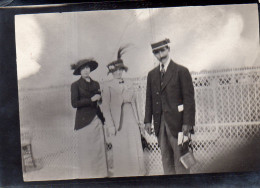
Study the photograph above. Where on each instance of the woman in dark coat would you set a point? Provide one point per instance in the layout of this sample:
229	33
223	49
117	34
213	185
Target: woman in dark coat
85	96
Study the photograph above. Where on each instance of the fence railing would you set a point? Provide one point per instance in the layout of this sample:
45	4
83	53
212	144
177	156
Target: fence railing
227	119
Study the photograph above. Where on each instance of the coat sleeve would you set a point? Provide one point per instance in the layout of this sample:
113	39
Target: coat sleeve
99	102
106	102
148	103
76	101
188	98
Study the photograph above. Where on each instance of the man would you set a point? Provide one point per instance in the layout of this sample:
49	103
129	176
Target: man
170	102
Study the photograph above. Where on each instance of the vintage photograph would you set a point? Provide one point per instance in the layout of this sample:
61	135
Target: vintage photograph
139	92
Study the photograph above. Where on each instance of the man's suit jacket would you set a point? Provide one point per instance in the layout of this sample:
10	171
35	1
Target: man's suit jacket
177	89
81	93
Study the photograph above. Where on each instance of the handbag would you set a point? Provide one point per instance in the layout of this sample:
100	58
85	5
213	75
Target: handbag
186	150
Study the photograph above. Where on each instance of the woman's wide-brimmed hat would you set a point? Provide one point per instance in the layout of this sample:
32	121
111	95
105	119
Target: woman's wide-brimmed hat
91	63
117	64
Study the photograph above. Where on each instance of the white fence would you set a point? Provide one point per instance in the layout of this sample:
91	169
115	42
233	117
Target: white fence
227	120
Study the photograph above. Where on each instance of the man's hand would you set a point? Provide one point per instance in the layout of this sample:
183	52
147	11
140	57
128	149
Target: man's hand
148	128
96	98
186	129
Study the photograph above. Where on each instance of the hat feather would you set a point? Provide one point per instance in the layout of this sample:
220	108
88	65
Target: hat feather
121	51
73	66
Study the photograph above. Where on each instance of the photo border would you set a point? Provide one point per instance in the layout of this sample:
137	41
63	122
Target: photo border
10	149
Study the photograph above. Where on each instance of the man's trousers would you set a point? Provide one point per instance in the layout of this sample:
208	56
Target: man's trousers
170	151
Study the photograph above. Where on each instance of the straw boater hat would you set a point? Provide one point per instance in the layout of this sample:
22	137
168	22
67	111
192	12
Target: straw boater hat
117	64
91	63
157	45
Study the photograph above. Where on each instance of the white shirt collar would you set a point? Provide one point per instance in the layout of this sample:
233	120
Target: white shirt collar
166	64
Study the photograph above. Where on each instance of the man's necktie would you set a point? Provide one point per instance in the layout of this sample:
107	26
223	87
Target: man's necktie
162	71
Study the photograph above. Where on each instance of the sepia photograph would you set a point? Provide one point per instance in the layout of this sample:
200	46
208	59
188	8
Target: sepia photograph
138	92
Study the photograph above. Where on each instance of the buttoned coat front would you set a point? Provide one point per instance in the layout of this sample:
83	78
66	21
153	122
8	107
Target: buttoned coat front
81	93
168	96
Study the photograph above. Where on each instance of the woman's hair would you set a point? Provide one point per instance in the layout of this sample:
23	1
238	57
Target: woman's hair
84	66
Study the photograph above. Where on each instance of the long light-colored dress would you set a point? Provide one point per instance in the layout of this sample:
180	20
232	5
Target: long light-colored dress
121	112
91	151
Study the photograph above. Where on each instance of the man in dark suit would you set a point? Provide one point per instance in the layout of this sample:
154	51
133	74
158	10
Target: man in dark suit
170	102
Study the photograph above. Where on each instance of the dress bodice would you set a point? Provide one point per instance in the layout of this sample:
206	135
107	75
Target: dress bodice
117	97
124	89
127	95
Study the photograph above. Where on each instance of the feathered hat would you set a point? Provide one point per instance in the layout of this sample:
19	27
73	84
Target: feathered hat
91	63
118	64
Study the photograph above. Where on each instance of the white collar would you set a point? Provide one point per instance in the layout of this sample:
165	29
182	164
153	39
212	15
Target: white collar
165	64
88	79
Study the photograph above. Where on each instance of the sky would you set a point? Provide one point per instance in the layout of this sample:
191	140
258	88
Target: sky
202	38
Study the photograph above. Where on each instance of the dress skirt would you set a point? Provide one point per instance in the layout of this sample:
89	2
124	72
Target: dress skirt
91	150
127	147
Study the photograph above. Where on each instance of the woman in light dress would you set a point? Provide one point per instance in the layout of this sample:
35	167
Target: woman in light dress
85	96
122	122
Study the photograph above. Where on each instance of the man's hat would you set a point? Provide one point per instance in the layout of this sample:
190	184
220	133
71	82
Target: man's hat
91	63
160	44
117	64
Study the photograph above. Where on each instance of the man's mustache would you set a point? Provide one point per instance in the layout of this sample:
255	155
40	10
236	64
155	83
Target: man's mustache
162	58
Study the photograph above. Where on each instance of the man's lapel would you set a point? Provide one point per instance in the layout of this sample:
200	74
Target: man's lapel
171	70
